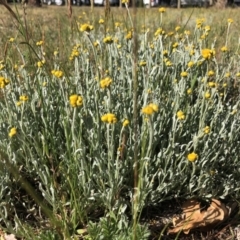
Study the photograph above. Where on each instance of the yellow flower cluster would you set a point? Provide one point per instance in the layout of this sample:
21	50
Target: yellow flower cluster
206	130
162	10
75	100
108	40
165	53
101	21
208	53
177	28
150	109
2	66
227	74
192	157
11	39
175	45
211	73
129	35
106	82
86	28
40	43
159	32
224	49
75	52
3	82
40	63
125	122
142	63
13	131
184	74
180	115
22	99
117	24
189	91
190	64
211	84
199	22
207	95
168	62
57	73
109	118
207	28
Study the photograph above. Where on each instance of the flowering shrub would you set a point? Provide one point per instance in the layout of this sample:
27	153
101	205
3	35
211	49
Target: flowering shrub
74	135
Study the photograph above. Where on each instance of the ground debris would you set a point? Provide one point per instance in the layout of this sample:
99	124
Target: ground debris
194	216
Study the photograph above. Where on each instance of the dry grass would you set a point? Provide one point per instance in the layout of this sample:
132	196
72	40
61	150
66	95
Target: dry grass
50	18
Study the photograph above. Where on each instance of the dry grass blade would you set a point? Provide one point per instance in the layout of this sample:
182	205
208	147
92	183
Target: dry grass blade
13	14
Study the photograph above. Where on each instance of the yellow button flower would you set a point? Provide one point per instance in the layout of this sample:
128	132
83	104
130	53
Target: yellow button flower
86	28
106	82
175	45
23	98
192	157
101	21
117	24
190	64
108	40
125	122
109	118
208	53
3	82
154	107
165	53
150	109
129	35
228	74
189	91
211	73
40	63
162	10
75	100
11	40
212	84
207	95
206	130
40	43
180	115
18	103
142	63
57	73
169	63
13	131
224	49
184	74
177	28
158	32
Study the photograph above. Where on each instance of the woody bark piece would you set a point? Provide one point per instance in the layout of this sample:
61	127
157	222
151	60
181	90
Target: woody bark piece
194	217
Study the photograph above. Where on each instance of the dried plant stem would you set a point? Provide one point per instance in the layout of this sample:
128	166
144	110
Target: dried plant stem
135	123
